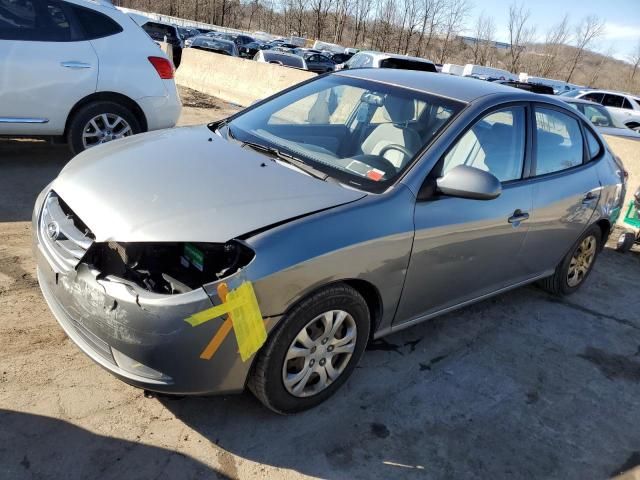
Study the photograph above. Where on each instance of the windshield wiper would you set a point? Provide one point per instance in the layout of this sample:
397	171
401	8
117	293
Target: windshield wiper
284	157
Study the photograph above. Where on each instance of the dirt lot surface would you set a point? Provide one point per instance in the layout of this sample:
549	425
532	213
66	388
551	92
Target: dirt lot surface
524	385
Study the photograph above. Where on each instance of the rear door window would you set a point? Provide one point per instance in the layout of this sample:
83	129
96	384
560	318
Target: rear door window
34	20
614	101
626	104
559	144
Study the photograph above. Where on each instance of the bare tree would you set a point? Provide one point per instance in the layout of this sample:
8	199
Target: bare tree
520	34
587	31
635	61
431	19
455	15
483	46
556	38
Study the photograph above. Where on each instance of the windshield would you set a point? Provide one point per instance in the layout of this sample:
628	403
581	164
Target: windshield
362	133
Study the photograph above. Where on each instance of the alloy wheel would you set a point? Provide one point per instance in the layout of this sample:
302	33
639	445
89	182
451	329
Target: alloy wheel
104	128
581	261
319	354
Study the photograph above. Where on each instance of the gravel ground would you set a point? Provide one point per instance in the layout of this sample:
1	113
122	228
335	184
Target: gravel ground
523	385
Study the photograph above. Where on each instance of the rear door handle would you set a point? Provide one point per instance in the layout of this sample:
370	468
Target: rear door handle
76	65
518	216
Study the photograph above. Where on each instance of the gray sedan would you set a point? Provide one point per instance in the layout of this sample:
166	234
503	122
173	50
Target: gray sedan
265	251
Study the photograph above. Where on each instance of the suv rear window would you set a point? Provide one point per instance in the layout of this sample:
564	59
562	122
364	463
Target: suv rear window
95	24
401	63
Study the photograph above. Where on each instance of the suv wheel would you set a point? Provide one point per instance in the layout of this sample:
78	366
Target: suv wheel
100	122
313	350
576	265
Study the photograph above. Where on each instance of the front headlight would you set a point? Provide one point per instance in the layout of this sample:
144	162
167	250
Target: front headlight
168	268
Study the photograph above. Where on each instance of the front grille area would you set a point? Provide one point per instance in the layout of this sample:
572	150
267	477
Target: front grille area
63	235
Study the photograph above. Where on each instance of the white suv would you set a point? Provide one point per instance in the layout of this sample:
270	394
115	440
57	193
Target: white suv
80	70
623	107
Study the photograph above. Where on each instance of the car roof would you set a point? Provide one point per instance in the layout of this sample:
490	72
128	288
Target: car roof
450	86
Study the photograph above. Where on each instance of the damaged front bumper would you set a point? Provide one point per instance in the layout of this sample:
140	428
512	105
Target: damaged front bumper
139	336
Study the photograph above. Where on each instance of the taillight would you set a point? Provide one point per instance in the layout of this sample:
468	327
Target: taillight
163	66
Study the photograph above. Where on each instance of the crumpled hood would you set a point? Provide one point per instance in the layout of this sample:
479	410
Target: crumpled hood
187	184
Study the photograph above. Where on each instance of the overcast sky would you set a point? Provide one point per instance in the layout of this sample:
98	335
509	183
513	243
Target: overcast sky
622	19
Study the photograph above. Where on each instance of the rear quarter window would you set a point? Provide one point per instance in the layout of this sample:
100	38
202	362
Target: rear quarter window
94	24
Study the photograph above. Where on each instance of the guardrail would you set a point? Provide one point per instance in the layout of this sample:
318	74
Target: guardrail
233	79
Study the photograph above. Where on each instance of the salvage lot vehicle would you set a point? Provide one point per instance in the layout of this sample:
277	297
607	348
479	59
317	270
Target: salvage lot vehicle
387	60
216	45
281	58
412	195
81	71
601	118
623	107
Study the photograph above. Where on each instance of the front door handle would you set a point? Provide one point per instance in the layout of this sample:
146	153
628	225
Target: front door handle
518	216
76	65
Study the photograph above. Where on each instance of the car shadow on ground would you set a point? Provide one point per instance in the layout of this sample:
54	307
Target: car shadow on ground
26	167
34	446
522	386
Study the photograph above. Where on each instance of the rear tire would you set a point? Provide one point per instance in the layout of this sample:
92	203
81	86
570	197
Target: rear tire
279	361
575	267
625	242
81	124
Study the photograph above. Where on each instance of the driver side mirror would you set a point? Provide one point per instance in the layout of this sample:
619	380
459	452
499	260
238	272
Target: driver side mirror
469	182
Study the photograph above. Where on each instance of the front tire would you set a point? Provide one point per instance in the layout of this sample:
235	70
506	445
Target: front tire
98	123
313	350
577	265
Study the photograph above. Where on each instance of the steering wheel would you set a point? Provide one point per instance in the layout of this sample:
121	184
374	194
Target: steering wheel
399	148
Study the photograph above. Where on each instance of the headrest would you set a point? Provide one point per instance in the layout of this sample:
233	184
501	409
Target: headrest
399	110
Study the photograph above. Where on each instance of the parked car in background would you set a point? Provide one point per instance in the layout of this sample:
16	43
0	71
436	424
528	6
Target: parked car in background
215	45
623	107
339	58
250	49
239	40
601	118
163	32
529	87
368	59
318	63
486	73
281	58
437	191
64	64
188	33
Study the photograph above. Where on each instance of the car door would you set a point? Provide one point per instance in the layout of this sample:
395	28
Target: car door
46	67
614	103
463	248
566	187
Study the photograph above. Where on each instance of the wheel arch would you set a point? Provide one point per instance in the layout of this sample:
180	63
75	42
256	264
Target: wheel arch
369	292
633	124
605	229
108	97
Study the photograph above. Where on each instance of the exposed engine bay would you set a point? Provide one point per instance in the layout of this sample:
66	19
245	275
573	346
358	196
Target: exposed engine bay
168	268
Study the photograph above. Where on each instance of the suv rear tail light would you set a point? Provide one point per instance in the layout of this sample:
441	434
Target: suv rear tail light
163	66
